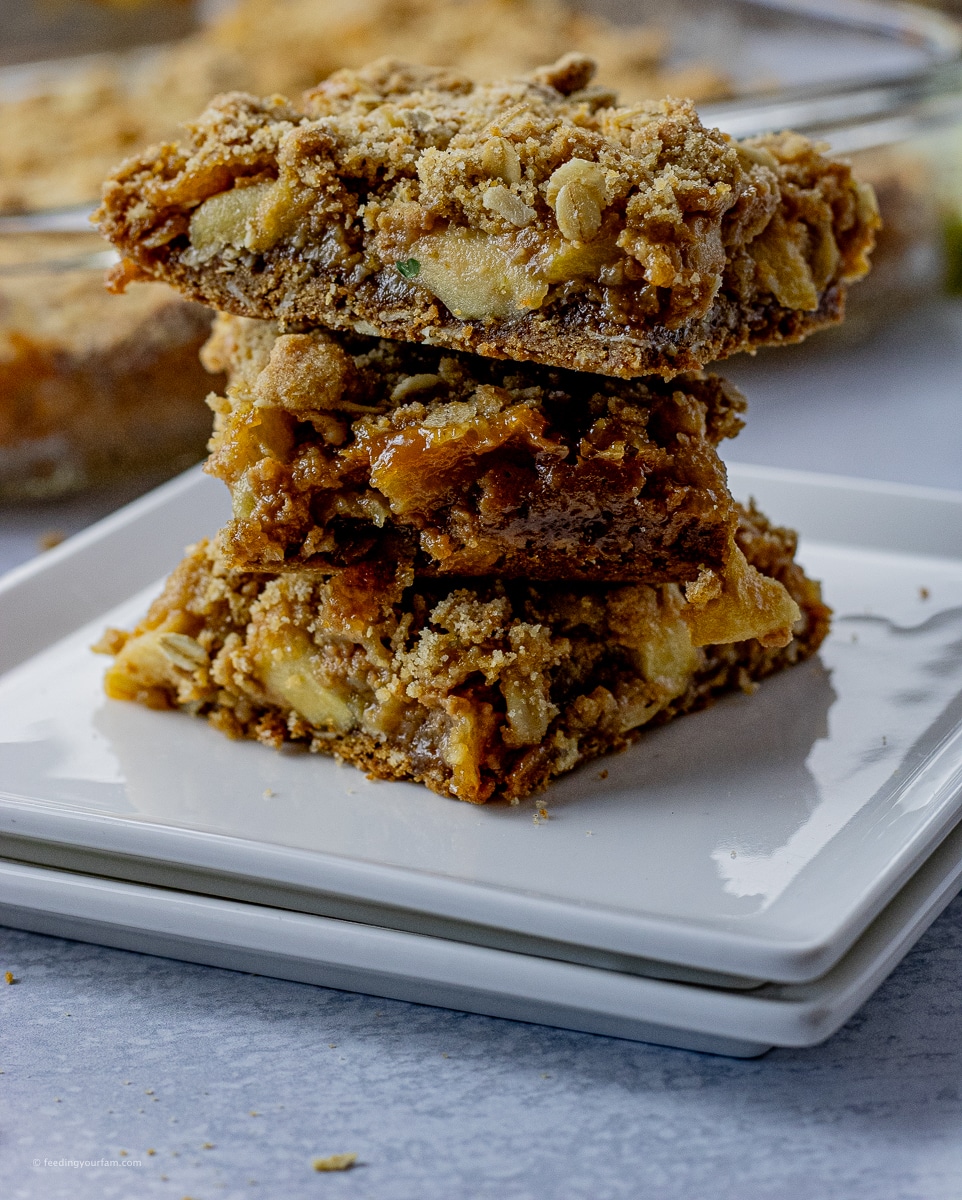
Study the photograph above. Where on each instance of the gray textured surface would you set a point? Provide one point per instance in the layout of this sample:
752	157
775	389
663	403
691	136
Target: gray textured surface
439	1105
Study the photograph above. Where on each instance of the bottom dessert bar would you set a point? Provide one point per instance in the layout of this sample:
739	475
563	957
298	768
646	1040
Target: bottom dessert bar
479	689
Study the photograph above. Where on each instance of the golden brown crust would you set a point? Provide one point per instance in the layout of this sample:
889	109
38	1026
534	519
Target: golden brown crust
523	220
340	449
491	688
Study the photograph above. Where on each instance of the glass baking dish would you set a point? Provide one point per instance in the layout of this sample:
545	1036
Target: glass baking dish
897	115
38	29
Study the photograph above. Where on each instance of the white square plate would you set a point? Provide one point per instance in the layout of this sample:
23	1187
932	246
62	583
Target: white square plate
755	841
472	978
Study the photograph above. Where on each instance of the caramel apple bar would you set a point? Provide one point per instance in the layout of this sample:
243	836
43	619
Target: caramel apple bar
340	449
531	220
477	688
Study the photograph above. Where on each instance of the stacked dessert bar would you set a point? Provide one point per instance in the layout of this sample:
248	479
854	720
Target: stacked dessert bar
481	532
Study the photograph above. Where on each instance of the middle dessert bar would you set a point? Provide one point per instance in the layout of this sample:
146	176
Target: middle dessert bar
340	449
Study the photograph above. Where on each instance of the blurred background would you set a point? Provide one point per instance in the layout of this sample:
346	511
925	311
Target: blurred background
102	397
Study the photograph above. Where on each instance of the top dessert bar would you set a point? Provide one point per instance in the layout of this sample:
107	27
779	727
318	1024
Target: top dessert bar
531	220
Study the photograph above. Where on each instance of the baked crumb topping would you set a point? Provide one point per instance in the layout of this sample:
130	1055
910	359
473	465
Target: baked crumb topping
59	141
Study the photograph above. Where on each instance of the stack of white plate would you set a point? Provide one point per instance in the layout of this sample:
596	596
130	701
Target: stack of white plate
742	878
